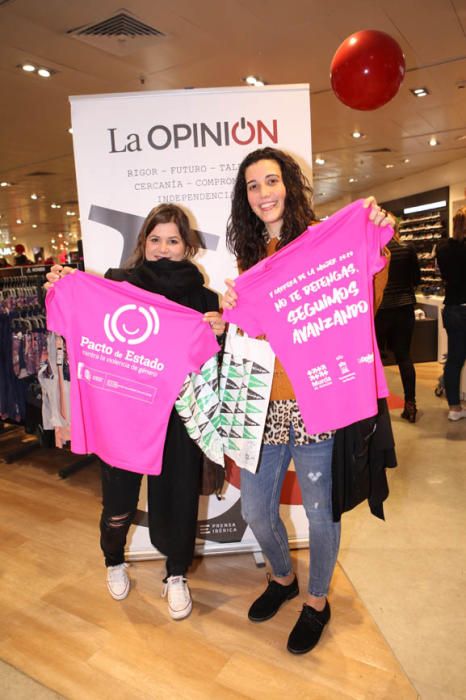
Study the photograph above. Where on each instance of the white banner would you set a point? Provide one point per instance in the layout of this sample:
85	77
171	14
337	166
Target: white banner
134	151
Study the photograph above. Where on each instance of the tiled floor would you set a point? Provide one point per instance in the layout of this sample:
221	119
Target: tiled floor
410	570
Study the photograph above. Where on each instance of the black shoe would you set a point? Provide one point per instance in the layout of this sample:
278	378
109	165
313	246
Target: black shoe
272	599
409	412
308	629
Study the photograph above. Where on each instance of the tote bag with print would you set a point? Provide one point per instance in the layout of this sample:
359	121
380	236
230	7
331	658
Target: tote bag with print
245	383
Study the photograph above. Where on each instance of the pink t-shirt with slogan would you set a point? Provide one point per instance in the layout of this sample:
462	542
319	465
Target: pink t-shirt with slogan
129	352
313	299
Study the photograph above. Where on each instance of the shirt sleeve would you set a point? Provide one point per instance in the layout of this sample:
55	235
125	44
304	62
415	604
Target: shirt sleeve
246	315
58	305
203	345
377	237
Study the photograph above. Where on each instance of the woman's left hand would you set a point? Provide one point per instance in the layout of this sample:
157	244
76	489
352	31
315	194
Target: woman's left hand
214	318
378	215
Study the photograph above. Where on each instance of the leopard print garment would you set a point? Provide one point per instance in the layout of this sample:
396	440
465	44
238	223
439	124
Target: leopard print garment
280	415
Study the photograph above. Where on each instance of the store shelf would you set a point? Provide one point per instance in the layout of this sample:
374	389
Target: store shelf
424	232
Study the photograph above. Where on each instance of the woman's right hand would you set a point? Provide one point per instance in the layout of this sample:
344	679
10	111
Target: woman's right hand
230	296
56	273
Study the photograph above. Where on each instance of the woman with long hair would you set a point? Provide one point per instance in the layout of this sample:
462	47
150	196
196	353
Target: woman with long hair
272	206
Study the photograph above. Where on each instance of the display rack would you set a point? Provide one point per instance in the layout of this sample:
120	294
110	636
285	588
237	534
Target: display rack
424	229
425	232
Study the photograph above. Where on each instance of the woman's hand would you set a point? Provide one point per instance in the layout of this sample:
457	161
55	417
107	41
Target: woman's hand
56	273
230	296
378	215
214	318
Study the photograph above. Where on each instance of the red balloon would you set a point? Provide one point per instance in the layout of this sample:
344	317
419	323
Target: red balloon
367	69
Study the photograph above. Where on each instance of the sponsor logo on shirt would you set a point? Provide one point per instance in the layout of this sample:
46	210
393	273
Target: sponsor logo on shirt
131	324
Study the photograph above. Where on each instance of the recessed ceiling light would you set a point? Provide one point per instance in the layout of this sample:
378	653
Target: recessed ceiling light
28	67
70	130
406	160
52	240
389	165
352	179
55	206
19	221
5	184
319	161
34	196
70	213
420	92
44	72
60	235
433	141
34	225
357	134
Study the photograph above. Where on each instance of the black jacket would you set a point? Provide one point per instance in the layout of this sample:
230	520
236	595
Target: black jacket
361	452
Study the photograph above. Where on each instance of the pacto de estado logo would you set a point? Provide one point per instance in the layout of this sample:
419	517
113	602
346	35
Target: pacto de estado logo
242	132
131	324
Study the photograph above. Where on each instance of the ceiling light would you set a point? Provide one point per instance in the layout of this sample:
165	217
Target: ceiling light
357	134
70	130
319	161
55	206
44	72
70	213
406	160
28	67
60	235
19	221
13	238
5	184
34	225
34	196
352	179
389	165
52	240
433	141
420	92
425	207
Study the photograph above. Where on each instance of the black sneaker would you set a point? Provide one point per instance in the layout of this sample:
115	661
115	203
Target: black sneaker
308	629
272	599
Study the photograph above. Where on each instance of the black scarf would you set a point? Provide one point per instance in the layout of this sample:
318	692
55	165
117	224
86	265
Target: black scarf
174	280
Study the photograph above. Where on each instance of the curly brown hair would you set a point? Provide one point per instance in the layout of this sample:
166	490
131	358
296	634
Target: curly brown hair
245	231
165	214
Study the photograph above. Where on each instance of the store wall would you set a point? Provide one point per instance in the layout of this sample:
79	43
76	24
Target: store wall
451	174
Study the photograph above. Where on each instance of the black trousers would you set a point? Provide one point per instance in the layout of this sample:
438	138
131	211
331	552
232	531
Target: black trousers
394	329
173	499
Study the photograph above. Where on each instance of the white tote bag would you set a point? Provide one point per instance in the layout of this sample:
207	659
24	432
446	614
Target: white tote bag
245	383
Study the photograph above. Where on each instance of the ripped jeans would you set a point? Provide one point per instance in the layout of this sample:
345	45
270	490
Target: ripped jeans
260	501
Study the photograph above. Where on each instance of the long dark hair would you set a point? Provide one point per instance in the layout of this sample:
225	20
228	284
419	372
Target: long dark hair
245	231
459	224
165	214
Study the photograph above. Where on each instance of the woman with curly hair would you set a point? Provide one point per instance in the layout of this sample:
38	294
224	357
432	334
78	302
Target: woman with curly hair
271	206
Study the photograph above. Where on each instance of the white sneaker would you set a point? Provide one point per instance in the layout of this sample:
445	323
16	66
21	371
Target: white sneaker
457	415
118	582
179	597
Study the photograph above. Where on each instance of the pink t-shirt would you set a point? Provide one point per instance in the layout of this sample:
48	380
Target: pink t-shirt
313	299
129	352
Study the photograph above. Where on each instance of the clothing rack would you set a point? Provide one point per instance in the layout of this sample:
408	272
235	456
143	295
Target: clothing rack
13	282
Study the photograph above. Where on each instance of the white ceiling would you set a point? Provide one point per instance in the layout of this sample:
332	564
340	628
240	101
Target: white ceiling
213	43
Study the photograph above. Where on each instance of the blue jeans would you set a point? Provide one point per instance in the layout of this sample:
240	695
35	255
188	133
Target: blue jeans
454	320
260	501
